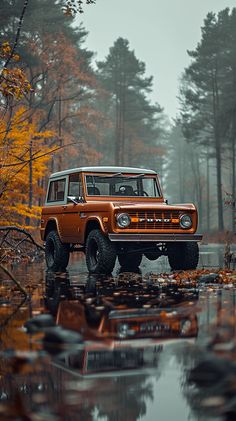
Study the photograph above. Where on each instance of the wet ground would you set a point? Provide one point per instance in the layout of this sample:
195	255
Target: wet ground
133	346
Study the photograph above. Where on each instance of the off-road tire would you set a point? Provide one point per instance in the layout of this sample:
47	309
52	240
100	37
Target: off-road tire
130	260
57	254
100	253
183	256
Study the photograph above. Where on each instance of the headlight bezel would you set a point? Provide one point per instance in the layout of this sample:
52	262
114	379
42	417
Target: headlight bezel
183	224
119	216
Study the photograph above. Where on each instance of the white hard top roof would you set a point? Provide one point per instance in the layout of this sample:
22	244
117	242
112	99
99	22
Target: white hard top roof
115	170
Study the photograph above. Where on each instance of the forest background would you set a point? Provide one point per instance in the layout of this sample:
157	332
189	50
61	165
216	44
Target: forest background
58	110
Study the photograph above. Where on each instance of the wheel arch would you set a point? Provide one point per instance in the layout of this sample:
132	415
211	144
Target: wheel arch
52	225
92	224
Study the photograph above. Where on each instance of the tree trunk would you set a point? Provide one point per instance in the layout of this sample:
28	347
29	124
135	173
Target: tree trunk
60	129
217	140
123	102
197	180
233	174
180	171
208	193
219	186
117	133
30	201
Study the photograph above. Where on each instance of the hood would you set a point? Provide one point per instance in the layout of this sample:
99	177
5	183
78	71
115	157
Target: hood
152	206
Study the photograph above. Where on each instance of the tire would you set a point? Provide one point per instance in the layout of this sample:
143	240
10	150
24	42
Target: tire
57	254
100	253
183	256
130	260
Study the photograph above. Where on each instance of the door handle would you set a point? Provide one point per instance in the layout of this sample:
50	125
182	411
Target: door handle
64	206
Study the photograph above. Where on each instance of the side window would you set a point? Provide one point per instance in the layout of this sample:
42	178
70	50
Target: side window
56	191
75	185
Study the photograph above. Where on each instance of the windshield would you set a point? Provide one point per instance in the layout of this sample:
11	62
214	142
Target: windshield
122	185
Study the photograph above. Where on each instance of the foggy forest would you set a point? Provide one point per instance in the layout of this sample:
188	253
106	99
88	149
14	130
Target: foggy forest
61	109
109	308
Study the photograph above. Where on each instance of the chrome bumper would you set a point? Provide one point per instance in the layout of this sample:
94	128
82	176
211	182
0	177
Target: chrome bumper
155	238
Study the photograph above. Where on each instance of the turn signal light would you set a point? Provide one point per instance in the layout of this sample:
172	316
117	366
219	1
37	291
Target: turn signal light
134	219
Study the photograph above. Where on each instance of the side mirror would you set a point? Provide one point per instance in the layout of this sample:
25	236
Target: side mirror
166	201
75	199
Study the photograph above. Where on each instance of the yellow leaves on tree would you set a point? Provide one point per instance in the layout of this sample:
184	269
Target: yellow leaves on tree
13	82
23	159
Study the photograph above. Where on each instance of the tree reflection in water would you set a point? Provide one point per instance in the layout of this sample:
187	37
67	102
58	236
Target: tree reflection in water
210	380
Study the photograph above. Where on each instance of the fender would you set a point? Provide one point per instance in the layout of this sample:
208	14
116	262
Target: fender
94	219
57	225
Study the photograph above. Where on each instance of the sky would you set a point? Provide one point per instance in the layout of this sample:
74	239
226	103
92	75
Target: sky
159	31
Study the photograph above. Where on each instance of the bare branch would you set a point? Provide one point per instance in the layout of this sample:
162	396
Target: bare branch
17	34
23	231
15	164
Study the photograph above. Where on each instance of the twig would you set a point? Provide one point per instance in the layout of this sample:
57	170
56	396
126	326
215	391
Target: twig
27	234
15	164
4	238
17	33
14	280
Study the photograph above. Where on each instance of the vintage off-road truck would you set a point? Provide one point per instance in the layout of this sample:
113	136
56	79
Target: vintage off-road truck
110	212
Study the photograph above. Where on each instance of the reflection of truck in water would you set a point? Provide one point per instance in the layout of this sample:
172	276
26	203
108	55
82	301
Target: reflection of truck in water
124	340
125	322
96	358
123	308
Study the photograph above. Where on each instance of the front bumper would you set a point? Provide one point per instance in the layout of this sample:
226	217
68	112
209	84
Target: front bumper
154	238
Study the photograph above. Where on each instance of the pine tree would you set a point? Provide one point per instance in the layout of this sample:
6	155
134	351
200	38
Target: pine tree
123	76
208	95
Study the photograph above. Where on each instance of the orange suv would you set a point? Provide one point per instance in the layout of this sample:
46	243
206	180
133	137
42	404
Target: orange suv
110	212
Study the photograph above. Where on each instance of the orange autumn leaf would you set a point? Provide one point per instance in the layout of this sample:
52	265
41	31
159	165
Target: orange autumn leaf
22	147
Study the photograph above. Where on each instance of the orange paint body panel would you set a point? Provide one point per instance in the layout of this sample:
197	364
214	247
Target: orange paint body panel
148	215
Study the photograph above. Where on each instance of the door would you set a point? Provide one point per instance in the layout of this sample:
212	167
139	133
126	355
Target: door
71	215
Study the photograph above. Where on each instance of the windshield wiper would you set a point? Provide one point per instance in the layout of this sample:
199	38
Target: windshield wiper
126	176
140	175
119	174
112	175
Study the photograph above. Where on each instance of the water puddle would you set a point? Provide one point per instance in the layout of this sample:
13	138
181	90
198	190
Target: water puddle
124	347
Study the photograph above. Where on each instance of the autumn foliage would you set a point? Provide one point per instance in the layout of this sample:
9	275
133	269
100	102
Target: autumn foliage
24	156
13	81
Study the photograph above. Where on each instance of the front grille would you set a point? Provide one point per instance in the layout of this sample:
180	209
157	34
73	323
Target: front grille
155	220
157	328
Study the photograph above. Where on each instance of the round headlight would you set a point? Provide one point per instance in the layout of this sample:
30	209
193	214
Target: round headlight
123	329
186	221
185	327
123	220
